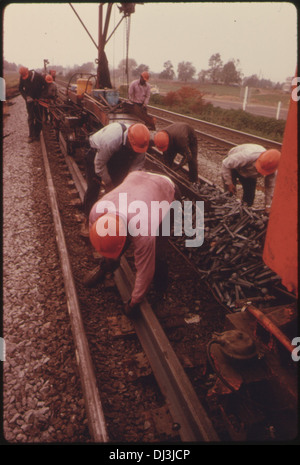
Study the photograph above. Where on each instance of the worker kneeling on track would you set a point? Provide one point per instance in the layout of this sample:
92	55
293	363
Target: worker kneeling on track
247	162
115	224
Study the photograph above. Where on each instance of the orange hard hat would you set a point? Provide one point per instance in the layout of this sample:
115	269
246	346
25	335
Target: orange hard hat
24	72
139	137
49	78
161	140
145	75
108	235
268	161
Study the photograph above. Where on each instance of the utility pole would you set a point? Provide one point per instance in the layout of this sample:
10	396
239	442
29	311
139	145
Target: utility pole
46	62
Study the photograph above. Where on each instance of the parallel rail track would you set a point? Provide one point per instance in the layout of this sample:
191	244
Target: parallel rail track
194	422
184	405
224	136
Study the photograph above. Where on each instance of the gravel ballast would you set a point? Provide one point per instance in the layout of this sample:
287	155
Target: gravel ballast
42	398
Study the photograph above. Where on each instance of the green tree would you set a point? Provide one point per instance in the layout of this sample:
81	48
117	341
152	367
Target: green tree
215	67
203	76
185	71
168	72
132	65
229	74
139	70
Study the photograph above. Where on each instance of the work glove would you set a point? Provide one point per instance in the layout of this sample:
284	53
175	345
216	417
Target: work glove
231	188
131	311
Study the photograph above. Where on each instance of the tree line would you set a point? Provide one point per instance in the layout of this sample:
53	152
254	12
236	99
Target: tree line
216	73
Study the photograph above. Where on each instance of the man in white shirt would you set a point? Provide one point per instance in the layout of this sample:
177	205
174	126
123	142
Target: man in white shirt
139	95
139	90
247	162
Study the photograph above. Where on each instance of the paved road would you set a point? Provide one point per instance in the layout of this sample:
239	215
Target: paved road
261	110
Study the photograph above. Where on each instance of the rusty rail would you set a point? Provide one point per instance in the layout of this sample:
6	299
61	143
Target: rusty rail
95	415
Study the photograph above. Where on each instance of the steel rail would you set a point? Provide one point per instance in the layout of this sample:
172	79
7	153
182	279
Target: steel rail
184	405
208	124
199	133
185	408
96	421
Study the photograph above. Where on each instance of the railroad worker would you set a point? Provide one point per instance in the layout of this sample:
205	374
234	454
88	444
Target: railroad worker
114	151
246	163
139	90
139	93
49	94
179	138
50	91
31	87
120	228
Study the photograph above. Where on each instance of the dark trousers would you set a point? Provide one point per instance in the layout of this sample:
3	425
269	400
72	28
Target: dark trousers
190	156
249	186
142	113
34	119
160	279
93	182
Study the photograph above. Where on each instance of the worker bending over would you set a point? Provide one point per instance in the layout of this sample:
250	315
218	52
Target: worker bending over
247	162
149	245
113	152
179	138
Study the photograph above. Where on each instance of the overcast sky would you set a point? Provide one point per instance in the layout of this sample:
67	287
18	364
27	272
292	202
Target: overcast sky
262	35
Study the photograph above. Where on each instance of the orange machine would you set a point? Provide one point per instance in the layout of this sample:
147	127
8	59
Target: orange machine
281	244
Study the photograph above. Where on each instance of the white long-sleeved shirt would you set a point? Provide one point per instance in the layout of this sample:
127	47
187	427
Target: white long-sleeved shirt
107	142
140	186
242	158
139	93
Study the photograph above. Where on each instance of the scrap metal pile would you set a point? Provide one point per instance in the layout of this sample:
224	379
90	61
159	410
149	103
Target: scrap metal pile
230	258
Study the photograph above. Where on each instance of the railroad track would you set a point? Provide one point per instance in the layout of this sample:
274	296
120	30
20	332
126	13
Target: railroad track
173	320
189	417
217	135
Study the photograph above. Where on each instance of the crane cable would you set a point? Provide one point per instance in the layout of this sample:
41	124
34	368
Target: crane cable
127	22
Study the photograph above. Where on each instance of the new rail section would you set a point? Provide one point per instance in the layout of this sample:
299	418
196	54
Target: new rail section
185	408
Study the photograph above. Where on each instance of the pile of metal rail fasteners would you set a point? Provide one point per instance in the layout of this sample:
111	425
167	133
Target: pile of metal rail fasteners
230	258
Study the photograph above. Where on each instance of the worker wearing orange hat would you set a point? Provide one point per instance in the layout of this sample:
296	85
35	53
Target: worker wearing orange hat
114	151
247	162
179	138
31	87
51	88
112	230
139	90
139	93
